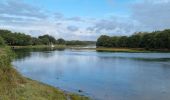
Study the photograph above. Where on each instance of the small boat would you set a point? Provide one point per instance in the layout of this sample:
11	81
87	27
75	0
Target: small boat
52	46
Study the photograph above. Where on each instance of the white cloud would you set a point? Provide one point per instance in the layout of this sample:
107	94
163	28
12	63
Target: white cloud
20	8
147	15
152	14
157	1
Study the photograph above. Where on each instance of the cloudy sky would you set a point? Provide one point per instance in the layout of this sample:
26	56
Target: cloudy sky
84	19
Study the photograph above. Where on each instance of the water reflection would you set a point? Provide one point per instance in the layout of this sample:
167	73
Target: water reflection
22	54
103	76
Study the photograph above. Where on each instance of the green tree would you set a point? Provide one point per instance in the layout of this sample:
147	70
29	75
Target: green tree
36	41
122	41
134	41
61	41
45	41
114	41
15	38
104	41
153	40
162	39
48	38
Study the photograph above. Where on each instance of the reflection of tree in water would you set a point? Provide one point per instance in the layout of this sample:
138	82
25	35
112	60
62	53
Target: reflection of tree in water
145	59
22	54
44	74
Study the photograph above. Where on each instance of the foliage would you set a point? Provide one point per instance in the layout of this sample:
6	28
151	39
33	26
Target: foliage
21	39
153	40
15	38
6	56
104	41
61	41
2	43
36	41
47	39
76	42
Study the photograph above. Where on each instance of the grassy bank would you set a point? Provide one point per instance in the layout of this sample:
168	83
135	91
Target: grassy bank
13	86
132	50
48	46
120	50
39	46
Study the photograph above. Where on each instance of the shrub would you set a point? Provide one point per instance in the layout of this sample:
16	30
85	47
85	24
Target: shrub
6	56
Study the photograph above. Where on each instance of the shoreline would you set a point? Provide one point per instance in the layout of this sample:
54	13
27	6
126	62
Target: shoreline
17	87
100	49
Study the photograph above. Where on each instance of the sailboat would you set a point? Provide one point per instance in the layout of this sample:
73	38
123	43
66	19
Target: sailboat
52	46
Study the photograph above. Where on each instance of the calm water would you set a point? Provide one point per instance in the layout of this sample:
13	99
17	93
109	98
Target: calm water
100	75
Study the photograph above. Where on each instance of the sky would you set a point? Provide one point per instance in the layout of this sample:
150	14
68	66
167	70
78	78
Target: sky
84	19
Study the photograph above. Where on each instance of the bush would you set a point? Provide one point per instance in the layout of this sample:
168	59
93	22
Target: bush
6	56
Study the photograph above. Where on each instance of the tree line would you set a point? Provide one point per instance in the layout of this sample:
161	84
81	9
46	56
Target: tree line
21	39
152	40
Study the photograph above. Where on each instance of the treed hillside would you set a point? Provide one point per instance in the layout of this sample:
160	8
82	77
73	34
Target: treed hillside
153	40
21	39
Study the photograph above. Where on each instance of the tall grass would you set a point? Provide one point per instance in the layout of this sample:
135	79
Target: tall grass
6	56
2	43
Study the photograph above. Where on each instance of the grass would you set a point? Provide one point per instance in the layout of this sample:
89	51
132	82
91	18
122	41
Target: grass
115	50
133	50
81	47
100	49
38	46
13	86
122	49
129	50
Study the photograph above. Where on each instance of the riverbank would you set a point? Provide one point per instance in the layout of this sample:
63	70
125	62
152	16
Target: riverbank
85	47
13	86
129	50
39	46
119	50
135	50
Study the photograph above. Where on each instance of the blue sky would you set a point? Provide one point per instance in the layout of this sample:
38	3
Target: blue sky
85	8
84	19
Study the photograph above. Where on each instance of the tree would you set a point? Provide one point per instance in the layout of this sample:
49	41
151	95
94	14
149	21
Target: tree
36	41
122	41
163	39
104	41
61	41
15	38
45	41
134	41
114	41
153	40
48	38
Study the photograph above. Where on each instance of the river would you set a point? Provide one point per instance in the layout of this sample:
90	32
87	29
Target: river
99	75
